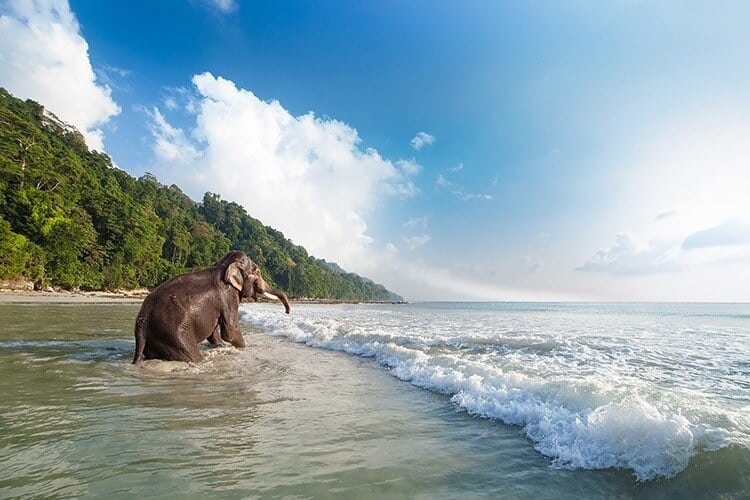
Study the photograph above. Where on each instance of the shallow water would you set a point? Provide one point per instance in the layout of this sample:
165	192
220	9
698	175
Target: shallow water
448	400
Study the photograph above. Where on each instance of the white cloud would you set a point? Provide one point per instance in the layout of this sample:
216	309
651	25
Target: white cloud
170	143
113	77
706	251
630	256
391	251
224	6
733	232
409	167
121	72
416	221
696	169
416	241
306	176
474	196
442	181
44	57
694	176
170	103
180	98
456	190
421	140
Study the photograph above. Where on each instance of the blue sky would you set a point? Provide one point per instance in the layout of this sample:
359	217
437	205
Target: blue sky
573	150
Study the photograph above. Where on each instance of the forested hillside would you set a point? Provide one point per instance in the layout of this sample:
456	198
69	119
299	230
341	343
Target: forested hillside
69	218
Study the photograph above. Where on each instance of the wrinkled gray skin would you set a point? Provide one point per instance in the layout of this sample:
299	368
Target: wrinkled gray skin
181	313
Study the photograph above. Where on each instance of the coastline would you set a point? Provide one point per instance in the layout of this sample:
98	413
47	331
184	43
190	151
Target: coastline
61	297
15	296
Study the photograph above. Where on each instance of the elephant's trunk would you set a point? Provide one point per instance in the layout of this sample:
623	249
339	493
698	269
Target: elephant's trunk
276	294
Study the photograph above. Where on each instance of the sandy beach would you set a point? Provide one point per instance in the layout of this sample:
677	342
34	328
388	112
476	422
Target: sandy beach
10	296
33	297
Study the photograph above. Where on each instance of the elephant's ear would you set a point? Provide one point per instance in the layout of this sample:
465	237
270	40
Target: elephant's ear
233	275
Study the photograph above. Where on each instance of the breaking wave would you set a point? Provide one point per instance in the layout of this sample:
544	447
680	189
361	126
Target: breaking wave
585	399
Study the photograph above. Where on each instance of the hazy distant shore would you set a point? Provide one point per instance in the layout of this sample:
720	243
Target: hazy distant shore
8	296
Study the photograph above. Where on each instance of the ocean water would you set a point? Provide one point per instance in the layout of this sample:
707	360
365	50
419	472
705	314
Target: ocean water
428	400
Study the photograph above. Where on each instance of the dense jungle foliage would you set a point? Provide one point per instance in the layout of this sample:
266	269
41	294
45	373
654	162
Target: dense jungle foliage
69	218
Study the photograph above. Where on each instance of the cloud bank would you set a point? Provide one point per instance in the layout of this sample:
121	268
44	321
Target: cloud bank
726	242
629	256
733	232
306	176
44	57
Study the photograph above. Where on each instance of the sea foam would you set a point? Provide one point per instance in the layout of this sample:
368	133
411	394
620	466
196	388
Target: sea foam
589	418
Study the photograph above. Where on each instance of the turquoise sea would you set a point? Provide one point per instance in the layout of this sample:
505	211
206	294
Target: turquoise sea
431	400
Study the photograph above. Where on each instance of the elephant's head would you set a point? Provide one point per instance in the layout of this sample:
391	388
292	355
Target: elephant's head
244	275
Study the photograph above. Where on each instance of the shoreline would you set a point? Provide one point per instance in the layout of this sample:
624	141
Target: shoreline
11	296
60	297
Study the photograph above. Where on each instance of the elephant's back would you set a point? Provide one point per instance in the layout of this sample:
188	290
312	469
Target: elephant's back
170	306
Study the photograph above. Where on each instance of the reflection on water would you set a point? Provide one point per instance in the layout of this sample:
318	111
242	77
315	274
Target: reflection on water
275	419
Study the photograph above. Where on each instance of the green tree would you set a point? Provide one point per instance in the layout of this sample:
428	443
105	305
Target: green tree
68	217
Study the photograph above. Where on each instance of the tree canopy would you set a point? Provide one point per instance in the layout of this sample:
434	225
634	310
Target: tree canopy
69	218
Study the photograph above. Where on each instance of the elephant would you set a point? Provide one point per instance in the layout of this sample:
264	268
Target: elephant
184	311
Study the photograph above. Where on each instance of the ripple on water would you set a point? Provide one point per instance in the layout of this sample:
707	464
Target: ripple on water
280	419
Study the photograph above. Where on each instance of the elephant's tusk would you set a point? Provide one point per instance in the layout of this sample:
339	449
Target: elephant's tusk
271	296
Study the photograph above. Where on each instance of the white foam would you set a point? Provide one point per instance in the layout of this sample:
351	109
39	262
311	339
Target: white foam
590	420
214	359
160	366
